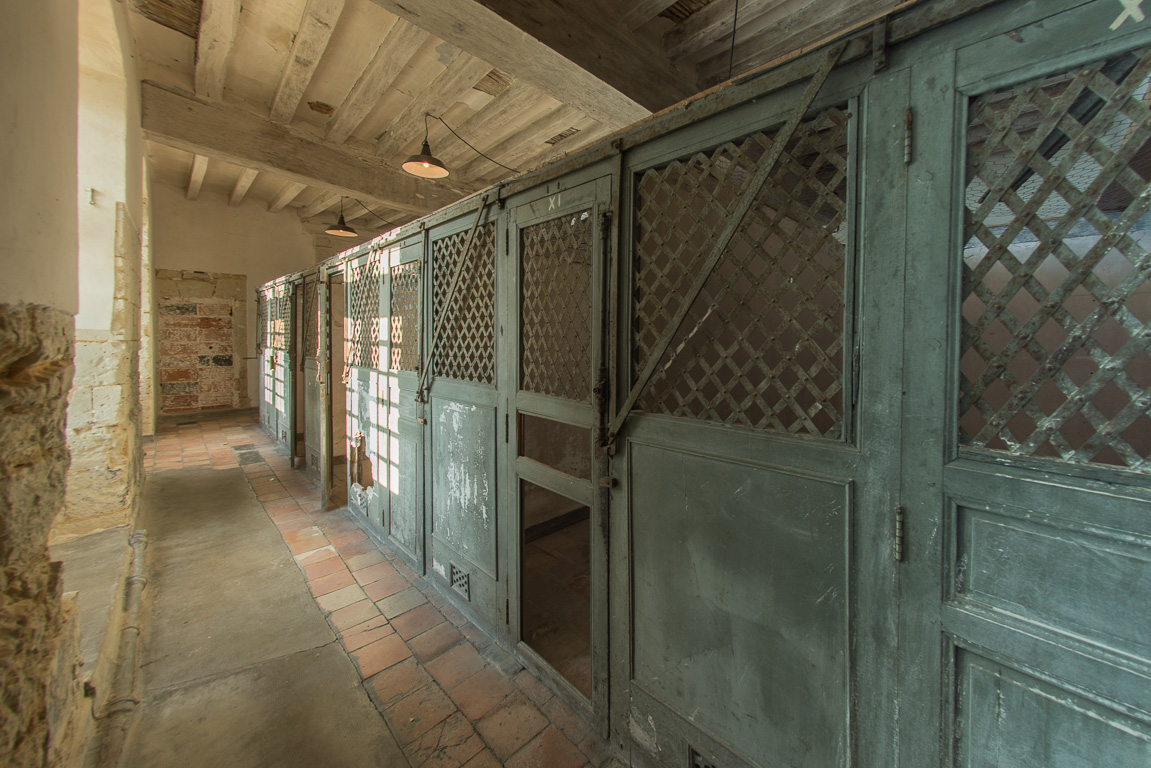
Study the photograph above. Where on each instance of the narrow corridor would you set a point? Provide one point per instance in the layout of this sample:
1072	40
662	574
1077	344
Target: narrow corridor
447	694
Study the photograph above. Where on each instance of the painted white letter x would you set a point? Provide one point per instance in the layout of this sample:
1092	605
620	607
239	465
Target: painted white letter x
1132	9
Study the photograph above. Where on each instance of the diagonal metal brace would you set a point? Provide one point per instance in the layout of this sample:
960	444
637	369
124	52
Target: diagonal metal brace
733	223
421	392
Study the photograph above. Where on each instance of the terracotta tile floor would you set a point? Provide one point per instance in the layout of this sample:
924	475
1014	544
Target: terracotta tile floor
435	678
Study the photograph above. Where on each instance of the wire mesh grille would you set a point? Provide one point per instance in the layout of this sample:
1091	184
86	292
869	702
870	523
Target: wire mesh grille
311	318
364	312
262	320
465	349
556	323
279	317
405	316
762	345
1056	296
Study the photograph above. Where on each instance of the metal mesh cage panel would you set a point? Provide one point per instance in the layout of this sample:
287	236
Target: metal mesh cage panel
405	316
465	349
311	318
262	320
364	312
762	345
556	322
279	317
1056	302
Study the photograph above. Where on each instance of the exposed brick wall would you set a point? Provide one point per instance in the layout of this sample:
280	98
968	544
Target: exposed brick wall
36	351
200	340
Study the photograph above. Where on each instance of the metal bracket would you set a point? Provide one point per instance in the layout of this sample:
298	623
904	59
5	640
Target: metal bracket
879	45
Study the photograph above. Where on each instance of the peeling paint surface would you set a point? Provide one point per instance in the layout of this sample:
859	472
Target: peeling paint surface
464	479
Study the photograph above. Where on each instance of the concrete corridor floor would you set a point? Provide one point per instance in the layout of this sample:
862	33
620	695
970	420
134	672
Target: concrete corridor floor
239	666
278	633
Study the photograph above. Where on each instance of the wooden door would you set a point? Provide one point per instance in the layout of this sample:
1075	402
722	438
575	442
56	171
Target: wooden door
367	387
555	520
404	477
311	373
1025	636
464	417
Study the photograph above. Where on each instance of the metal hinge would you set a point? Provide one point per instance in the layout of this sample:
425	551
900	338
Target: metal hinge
907	131
899	534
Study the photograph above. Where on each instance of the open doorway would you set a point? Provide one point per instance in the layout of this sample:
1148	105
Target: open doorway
556	551
337	480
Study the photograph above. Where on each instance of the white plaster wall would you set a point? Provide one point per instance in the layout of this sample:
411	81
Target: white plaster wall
208	235
38	85
110	158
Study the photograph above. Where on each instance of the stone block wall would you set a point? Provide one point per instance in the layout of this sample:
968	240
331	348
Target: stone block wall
104	406
36	350
200	340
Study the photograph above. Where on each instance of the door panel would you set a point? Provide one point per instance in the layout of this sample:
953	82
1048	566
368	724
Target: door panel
367	388
1028	506
464	416
737	596
404	517
310	369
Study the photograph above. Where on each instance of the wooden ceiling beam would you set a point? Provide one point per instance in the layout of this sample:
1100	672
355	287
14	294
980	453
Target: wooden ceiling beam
316	26
459	77
769	35
323	202
644	11
522	143
397	48
196	176
287	194
496	120
711	25
243	182
588	62
180	120
219	20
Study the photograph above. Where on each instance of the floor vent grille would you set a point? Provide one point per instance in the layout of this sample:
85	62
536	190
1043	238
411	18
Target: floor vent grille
462	582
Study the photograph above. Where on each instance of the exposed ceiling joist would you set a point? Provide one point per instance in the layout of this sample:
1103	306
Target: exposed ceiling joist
185	122
712	25
316	26
196	177
219	20
396	49
323	202
287	194
243	182
642	81
459	77
644	11
523	143
518	99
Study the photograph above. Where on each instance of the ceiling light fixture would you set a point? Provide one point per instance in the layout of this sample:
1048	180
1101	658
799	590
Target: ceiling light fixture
341	228
425	164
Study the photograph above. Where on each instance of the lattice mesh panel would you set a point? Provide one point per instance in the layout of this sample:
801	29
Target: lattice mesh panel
466	346
556	323
363	312
405	316
311	318
1056	296
262	320
279	317
762	345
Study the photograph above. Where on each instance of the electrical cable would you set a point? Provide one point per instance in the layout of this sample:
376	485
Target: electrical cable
378	216
461	138
731	53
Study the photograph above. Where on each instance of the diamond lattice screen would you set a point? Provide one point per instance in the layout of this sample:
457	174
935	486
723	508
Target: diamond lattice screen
262	320
1056	299
311	318
279	317
405	316
556	323
364	312
762	345
465	349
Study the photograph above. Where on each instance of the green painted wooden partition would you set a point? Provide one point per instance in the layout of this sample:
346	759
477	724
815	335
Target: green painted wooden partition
883	499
